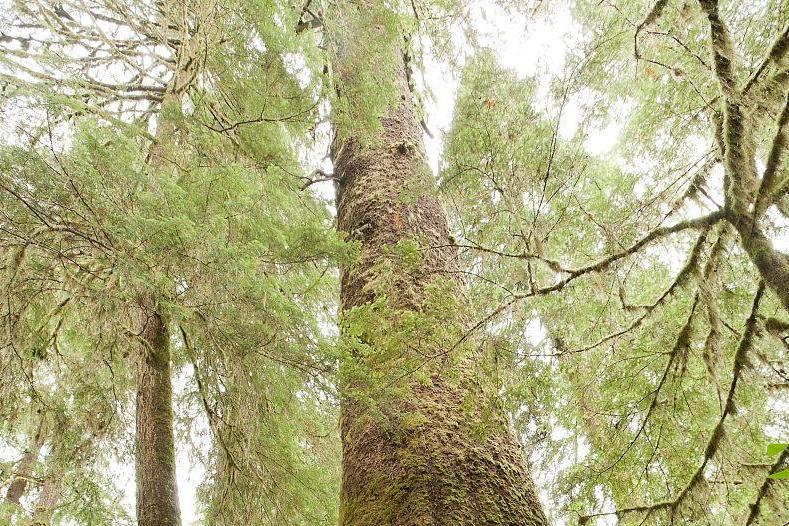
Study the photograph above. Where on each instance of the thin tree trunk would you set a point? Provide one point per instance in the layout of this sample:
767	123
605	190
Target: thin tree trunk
27	465
61	458
48	498
460	465
157	495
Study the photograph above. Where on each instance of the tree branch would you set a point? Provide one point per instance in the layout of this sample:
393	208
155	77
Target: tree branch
776	53
713	444
764	488
777	155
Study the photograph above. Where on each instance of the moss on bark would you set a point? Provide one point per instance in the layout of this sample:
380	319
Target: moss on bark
157	496
443	454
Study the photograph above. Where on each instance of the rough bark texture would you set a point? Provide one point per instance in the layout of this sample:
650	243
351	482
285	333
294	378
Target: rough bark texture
27	464
443	471
157	496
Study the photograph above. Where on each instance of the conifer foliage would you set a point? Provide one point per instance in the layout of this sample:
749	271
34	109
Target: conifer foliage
230	275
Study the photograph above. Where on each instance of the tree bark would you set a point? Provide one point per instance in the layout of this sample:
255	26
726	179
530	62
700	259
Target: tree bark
48	498
157	495
460	465
57	462
773	265
27	465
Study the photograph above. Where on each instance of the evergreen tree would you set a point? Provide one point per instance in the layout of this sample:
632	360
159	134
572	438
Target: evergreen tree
592	291
195	240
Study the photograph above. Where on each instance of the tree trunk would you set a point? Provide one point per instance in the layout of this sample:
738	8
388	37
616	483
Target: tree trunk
157	495
48	498
459	465
57	462
27	465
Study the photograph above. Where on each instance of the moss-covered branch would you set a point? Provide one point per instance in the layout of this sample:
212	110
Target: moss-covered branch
716	436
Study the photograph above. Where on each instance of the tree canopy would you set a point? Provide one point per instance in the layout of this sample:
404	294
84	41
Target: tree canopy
607	292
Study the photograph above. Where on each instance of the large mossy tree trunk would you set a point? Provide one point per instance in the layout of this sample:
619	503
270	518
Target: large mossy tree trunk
450	457
157	495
